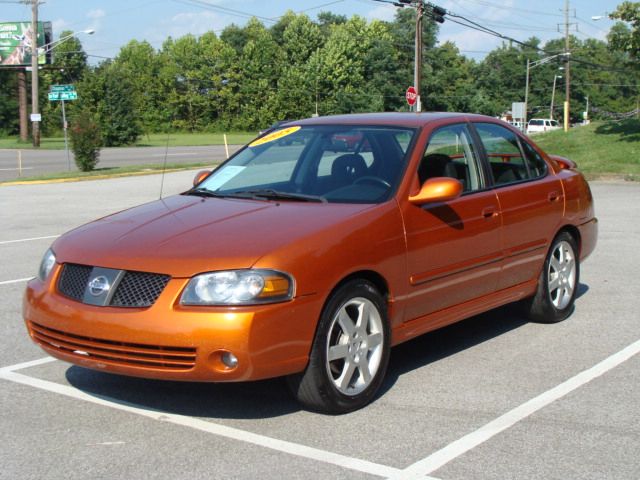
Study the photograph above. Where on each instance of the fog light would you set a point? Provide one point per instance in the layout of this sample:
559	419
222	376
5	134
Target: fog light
229	359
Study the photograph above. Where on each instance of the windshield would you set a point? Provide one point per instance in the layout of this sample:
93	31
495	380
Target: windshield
345	164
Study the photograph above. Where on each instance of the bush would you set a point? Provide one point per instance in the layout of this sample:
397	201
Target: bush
86	141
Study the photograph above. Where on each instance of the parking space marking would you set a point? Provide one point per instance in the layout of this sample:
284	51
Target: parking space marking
9	282
6	242
32	363
364	466
455	449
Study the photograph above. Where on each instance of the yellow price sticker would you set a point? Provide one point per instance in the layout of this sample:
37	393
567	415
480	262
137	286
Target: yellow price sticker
278	134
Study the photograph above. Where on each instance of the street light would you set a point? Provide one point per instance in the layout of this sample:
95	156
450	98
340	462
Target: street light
553	94
47	47
531	65
35	107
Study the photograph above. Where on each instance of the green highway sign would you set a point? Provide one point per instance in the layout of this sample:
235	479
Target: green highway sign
62	88
56	96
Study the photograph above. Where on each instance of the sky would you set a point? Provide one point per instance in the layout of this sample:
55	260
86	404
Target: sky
118	21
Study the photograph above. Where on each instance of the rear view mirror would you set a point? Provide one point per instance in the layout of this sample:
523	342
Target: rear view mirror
437	189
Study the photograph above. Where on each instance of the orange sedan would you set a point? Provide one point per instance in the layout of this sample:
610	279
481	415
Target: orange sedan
310	257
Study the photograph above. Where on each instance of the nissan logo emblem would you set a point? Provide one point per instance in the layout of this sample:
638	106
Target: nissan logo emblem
99	285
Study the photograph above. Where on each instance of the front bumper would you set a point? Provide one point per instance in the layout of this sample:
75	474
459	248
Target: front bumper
171	341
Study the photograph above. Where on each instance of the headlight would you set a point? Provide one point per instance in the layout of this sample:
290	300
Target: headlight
46	265
238	287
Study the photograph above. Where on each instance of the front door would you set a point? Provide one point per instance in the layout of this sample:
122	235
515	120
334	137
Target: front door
454	248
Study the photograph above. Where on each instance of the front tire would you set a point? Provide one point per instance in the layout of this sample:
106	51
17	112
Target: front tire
350	352
558	282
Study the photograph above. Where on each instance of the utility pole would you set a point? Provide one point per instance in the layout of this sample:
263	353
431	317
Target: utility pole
22	104
567	68
417	68
35	108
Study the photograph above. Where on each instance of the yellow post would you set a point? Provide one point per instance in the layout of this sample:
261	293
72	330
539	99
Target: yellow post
226	146
19	163
566	116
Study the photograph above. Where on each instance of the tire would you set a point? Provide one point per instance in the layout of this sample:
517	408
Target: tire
558	282
350	352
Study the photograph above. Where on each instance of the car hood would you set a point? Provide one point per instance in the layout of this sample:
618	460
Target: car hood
185	235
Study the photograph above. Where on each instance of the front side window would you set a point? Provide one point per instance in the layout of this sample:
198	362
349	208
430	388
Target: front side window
334	163
450	153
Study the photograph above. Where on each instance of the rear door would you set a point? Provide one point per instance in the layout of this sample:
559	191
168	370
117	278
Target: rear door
531	201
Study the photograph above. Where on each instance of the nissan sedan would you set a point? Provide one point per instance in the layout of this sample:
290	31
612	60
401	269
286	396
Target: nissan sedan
308	256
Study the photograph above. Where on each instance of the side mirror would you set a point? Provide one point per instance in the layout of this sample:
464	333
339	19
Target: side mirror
437	189
201	175
564	163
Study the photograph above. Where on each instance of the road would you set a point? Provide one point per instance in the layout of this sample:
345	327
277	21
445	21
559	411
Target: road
493	397
41	162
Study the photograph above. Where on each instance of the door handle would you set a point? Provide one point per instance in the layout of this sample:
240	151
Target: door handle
489	212
553	196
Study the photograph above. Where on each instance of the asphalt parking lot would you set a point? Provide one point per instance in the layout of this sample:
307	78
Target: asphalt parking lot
493	397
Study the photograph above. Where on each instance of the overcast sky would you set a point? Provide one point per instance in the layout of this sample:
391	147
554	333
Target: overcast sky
117	21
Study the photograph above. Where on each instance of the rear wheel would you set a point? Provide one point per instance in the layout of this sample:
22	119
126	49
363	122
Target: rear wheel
350	352
558	282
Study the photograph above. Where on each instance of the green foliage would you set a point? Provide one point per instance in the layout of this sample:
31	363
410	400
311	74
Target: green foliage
9	122
251	76
85	141
626	38
116	113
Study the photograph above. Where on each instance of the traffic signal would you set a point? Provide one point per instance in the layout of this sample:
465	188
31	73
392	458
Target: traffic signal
437	13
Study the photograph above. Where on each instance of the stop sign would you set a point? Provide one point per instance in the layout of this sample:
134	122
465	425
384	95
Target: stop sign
411	95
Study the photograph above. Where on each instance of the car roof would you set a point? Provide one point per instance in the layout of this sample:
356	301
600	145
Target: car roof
403	119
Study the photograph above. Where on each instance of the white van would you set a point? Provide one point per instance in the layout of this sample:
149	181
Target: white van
542	125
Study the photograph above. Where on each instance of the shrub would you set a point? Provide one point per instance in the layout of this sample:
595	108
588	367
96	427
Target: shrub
86	141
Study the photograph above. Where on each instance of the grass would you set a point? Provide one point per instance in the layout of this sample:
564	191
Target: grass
151	140
599	149
110	172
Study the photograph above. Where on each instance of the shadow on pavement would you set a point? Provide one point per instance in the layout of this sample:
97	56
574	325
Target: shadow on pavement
271	398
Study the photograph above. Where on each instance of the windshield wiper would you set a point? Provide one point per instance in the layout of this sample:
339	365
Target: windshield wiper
270	194
203	192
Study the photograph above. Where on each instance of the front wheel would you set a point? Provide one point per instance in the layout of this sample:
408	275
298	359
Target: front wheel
350	352
557	285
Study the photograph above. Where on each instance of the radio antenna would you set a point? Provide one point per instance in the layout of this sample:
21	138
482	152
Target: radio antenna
164	163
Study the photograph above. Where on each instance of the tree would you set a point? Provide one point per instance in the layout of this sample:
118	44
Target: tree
626	38
85	141
9	121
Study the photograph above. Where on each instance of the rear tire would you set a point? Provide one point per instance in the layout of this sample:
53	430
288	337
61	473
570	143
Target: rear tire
350	352
558	282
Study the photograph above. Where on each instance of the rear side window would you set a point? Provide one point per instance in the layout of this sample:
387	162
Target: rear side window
509	162
537	123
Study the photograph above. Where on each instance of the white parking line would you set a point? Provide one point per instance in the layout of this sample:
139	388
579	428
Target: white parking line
5	242
9	373
15	169
19	280
32	363
452	451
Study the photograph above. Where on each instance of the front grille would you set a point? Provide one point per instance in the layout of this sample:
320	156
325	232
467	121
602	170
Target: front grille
73	280
139	289
135	289
115	353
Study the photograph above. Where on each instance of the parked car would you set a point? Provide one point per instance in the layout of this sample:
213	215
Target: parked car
536	125
293	259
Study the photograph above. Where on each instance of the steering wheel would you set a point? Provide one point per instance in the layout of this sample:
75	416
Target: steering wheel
372	179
